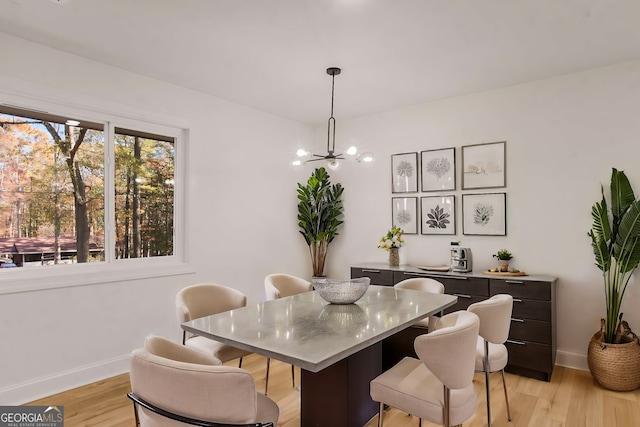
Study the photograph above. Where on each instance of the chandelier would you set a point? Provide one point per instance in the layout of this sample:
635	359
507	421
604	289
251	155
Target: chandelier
333	160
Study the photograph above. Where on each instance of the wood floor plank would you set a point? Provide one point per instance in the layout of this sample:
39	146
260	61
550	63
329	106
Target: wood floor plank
571	399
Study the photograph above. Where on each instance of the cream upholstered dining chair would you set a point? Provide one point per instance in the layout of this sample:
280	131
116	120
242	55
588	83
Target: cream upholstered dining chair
173	385
280	285
202	300
491	353
439	386
424	284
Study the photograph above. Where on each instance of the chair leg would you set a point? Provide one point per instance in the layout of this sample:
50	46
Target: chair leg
506	396
293	377
240	363
486	380
447	402
380	411
266	382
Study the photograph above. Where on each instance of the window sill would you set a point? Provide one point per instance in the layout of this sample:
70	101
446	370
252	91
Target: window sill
52	277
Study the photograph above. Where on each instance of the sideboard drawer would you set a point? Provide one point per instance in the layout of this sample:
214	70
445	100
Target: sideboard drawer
465	286
530	330
463	302
377	276
522	288
531	355
532	309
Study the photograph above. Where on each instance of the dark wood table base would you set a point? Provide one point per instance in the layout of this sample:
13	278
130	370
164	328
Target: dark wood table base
338	396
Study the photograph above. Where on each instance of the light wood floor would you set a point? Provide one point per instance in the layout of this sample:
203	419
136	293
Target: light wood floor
571	399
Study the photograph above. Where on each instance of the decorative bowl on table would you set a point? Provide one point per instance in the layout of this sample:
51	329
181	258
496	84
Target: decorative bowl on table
341	291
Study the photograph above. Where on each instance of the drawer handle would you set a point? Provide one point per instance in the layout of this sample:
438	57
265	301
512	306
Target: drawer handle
439	276
517	282
517	320
516	342
406	273
517	300
364	270
462	296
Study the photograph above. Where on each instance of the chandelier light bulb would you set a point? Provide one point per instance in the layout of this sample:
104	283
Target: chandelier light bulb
302	152
366	158
333	164
296	162
352	151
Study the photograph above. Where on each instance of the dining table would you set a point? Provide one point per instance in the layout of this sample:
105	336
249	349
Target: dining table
338	347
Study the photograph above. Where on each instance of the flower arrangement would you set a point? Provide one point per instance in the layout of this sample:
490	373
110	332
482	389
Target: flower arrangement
393	239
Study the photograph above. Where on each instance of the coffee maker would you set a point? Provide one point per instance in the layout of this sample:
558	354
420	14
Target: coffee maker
460	259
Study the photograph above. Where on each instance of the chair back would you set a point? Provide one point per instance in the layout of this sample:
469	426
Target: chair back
205	299
421	284
191	384
495	317
280	285
450	352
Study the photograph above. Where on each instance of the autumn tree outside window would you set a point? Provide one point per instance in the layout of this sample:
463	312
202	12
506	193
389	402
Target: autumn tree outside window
52	190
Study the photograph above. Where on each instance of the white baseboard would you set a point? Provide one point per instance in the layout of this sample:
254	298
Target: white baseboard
572	360
19	394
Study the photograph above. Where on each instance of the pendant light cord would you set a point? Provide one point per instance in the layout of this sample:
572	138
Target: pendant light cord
331	130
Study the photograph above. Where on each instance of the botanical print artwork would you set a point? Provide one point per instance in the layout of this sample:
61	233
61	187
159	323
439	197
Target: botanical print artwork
404	169
484	214
438	215
403	217
404	214
483	165
437	218
439	169
404	172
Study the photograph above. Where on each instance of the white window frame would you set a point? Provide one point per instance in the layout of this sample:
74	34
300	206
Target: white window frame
17	280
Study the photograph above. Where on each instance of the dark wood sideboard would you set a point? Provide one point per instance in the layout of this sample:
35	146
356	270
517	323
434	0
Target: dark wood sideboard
532	338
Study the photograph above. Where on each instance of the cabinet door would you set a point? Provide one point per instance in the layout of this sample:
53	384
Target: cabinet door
377	276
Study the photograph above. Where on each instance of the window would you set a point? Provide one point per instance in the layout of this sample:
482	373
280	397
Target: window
62	203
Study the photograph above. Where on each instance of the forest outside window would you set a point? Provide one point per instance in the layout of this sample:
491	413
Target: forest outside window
54	187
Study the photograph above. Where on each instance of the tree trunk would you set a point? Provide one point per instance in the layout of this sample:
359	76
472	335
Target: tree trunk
135	214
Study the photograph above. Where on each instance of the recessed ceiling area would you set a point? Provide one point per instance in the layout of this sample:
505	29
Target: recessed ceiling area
272	55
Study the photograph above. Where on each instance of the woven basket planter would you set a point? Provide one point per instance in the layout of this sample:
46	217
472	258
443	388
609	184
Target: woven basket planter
614	366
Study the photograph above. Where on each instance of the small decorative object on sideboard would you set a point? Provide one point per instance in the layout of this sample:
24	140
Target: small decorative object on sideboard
503	256
341	291
391	242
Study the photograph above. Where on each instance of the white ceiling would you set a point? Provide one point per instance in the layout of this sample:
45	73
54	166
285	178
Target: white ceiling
272	54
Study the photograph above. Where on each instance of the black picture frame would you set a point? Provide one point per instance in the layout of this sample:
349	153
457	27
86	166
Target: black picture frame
404	173
438	215
404	214
438	169
484	214
484	165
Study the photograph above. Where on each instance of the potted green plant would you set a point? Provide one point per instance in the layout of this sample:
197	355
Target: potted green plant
614	353
504	256
319	215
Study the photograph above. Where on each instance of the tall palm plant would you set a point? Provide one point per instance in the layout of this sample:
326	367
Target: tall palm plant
319	213
615	237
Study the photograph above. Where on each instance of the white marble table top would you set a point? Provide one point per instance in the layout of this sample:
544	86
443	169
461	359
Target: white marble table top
308	332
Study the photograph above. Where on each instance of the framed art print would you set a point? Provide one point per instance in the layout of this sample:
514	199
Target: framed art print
404	173
404	213
438	169
484	165
484	214
438	215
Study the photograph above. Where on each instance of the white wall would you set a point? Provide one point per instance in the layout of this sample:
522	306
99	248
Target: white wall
241	210
563	135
